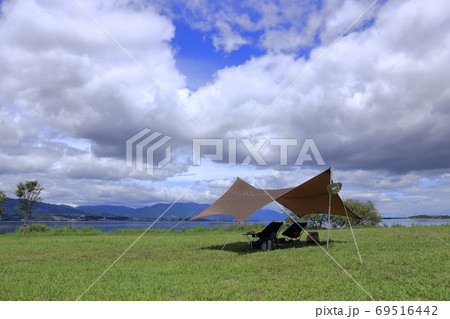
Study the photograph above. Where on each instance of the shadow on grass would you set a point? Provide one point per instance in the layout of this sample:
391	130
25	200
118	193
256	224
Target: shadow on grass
243	248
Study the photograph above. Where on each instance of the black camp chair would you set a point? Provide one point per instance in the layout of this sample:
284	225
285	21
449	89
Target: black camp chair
263	237
294	231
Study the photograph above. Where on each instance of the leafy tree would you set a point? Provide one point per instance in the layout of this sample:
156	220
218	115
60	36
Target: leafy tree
316	221
3	199
288	219
338	221
369	215
29	196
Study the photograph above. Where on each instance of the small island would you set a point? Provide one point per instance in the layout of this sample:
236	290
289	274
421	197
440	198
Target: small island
431	216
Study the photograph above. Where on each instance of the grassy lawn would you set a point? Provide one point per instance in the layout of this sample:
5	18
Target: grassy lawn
399	264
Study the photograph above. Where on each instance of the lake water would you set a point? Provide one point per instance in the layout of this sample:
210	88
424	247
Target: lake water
105	226
415	221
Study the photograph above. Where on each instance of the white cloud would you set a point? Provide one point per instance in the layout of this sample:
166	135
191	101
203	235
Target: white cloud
67	73
13	128
365	93
227	39
221	183
376	105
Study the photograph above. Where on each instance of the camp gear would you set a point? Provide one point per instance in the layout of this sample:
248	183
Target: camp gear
265	238
294	231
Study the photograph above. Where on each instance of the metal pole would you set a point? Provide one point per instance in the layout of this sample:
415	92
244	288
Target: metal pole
329	209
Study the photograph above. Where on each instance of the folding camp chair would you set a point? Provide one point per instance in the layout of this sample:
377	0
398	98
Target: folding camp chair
294	231
265	237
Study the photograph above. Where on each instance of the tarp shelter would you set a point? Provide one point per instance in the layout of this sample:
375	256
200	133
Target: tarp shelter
242	199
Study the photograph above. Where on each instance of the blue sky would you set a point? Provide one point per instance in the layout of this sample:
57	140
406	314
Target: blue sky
199	60
375	104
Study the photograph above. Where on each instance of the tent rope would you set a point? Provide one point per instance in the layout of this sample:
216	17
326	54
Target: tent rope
353	234
183	220
349	223
326	252
237	224
435	235
137	239
343	269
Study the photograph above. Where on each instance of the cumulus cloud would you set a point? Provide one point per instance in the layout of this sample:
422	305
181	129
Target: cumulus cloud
66	73
376	104
13	127
369	104
227	39
221	183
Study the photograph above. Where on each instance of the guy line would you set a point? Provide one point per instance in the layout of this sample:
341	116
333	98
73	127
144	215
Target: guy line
309	66
137	239
132	59
328	254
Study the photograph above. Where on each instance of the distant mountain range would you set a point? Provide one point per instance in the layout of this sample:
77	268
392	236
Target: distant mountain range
178	211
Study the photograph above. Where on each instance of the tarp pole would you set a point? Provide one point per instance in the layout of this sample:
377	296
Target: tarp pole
329	209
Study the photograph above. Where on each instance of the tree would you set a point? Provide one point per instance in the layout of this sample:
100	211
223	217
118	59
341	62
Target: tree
291	216
316	221
3	199
29	197
338	221
367	212
369	216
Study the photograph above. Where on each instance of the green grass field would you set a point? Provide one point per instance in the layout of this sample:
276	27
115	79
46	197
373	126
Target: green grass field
399	264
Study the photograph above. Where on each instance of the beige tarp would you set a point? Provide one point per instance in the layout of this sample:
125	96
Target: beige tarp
312	197
242	199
